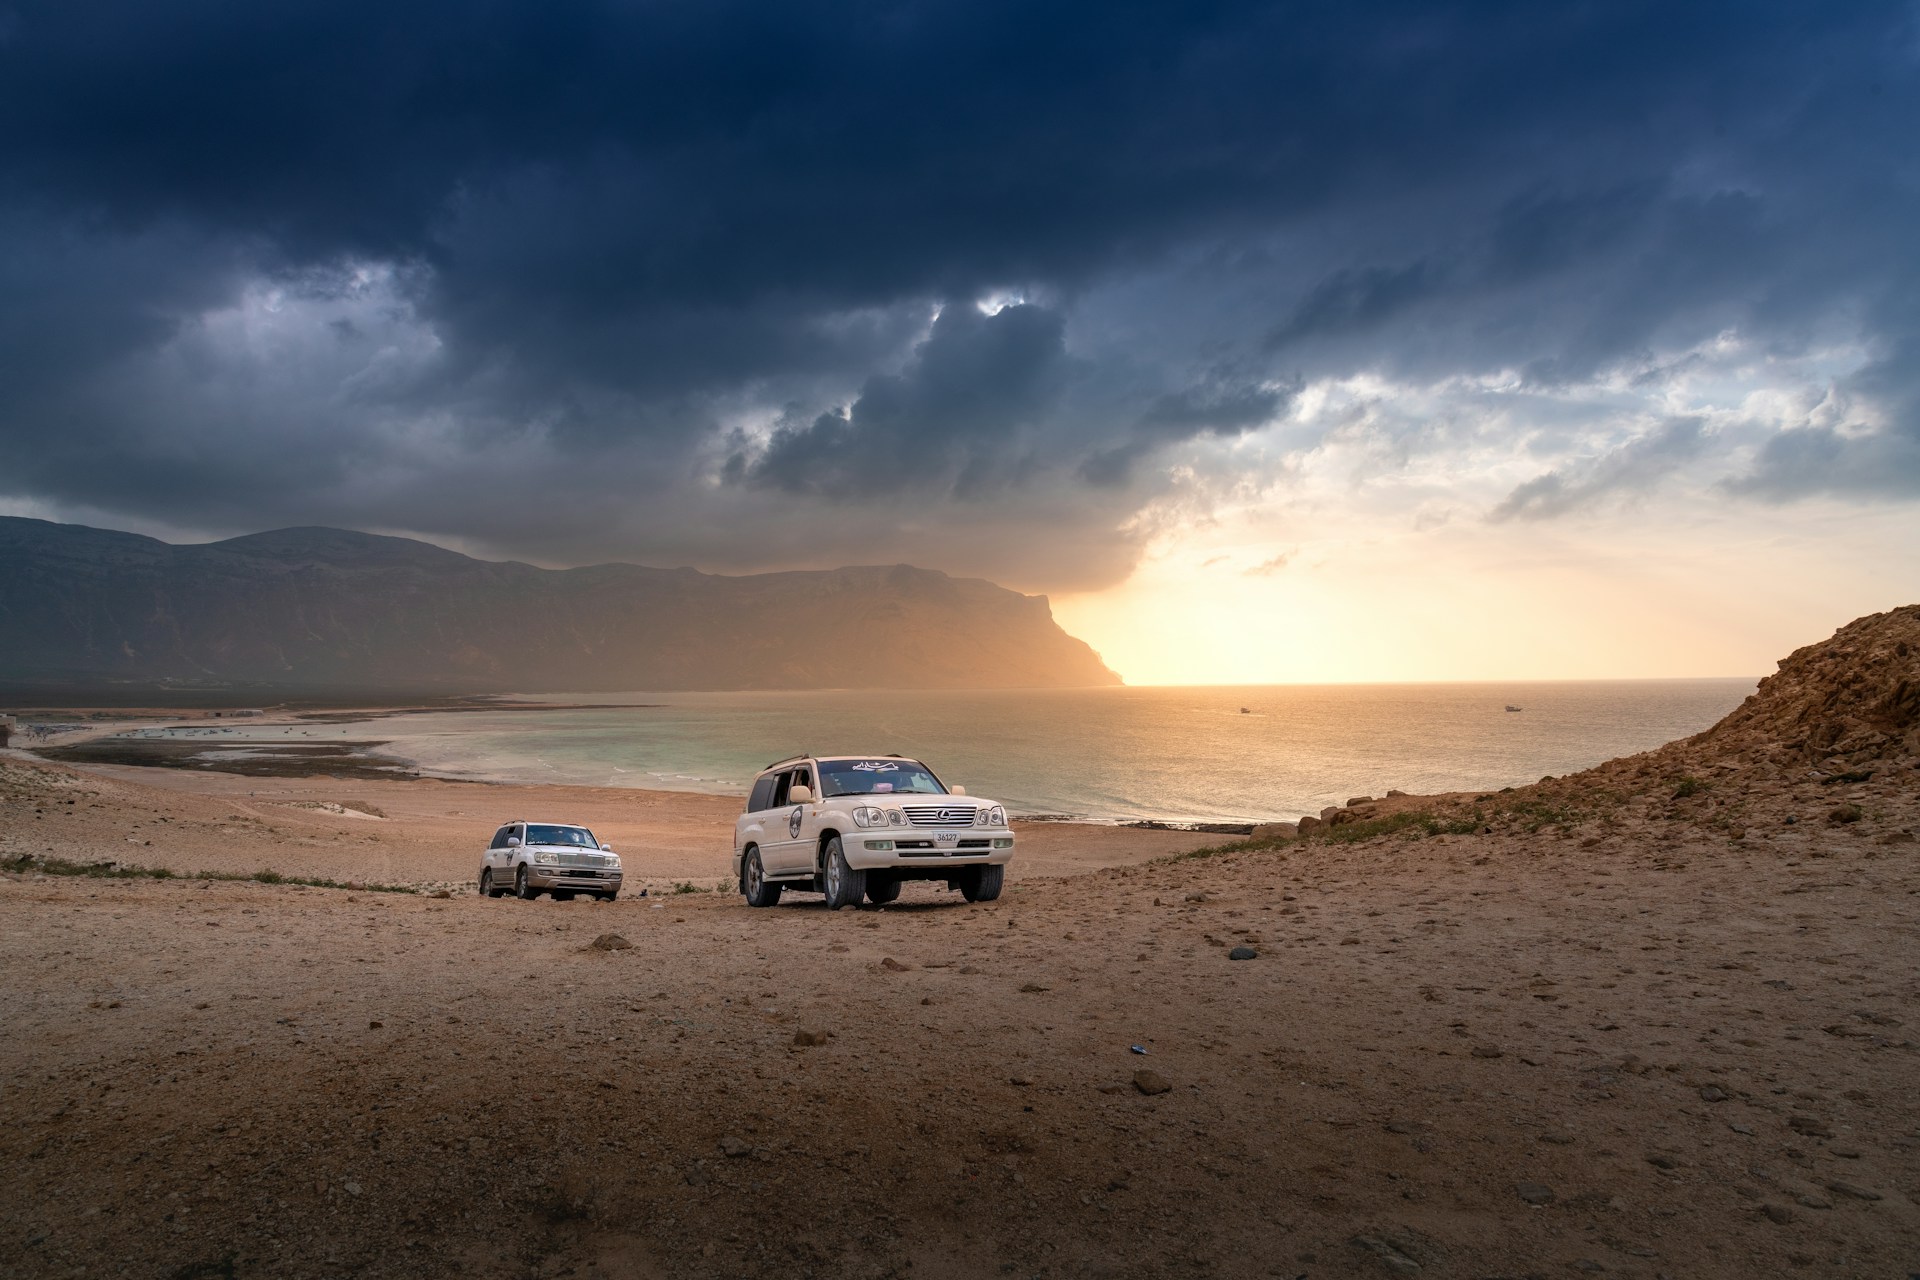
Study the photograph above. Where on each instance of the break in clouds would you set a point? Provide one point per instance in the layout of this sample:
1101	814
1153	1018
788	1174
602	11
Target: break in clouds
1004	289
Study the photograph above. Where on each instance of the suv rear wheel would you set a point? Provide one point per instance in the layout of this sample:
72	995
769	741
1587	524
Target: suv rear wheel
881	889
759	891
844	886
488	887
982	884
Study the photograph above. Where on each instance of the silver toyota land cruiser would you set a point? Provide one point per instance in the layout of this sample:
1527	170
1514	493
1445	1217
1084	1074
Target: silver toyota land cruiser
532	858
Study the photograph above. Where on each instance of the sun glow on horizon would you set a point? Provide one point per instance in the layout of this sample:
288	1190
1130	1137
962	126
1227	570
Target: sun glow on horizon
1611	599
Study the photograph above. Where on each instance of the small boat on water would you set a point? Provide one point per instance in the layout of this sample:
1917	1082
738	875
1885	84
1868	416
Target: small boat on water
1246	711
1511	707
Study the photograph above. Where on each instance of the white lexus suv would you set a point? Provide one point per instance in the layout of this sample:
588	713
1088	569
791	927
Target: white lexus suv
861	826
532	858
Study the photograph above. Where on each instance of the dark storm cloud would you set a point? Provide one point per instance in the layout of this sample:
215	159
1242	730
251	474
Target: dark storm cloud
949	424
346	261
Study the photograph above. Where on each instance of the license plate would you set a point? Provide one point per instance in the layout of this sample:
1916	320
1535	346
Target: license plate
947	837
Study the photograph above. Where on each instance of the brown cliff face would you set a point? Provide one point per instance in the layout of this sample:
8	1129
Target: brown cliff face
1850	700
334	610
1844	710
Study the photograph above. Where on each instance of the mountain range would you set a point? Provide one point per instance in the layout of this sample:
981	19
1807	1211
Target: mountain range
321	610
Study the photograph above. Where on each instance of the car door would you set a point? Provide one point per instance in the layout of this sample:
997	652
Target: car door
492	857
510	854
753	825
799	823
775	837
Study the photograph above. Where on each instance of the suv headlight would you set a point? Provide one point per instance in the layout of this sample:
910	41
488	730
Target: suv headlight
865	815
996	817
896	817
546	859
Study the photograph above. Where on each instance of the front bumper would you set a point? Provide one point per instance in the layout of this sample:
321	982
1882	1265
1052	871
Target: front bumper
584	879
923	847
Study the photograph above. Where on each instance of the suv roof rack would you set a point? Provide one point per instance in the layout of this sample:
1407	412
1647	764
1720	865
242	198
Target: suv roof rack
804	755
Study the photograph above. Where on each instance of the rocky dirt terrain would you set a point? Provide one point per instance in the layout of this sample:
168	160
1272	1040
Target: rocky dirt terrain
1660	1019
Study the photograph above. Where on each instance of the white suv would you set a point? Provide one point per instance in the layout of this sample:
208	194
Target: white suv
854	826
532	858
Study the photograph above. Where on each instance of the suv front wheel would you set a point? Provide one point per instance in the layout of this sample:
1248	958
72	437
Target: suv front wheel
982	884
521	889
844	886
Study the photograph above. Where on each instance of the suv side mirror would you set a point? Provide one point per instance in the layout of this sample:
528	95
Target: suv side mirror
958	791
513	842
606	848
800	795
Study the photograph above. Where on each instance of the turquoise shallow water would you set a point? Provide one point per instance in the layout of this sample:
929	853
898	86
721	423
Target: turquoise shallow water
1176	754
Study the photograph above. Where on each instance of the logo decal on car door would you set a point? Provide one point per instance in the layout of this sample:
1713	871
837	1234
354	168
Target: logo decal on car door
793	823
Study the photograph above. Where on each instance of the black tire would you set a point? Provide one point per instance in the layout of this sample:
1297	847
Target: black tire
758	890
982	884
562	895
610	895
844	886
521	889
881	889
487	888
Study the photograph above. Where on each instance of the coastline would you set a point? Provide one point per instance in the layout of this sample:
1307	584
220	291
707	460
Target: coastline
1184	759
427	832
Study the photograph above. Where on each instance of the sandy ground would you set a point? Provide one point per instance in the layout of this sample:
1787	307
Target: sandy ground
1620	1043
428	832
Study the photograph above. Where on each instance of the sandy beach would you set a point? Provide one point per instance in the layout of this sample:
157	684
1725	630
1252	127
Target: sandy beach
1656	1020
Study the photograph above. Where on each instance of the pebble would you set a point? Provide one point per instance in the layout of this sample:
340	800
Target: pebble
1243	953
893	966
1659	1161
808	1036
1853	1192
1488	1051
1713	1094
1150	1082
611	942
1558	1137
733	1148
1534	1193
1029	988
1777	1213
1813	1201
1737	1127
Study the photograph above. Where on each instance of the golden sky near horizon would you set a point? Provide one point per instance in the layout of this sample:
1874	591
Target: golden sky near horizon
1367	596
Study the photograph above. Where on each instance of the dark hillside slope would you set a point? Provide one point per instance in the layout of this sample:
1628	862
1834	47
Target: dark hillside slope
331	609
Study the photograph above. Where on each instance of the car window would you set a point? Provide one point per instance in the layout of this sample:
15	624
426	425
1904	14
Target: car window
546	833
762	797
855	777
500	838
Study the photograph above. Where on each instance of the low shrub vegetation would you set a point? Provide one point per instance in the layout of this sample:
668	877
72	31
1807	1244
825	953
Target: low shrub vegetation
30	863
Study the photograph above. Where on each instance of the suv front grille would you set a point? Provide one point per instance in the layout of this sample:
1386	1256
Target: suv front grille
939	815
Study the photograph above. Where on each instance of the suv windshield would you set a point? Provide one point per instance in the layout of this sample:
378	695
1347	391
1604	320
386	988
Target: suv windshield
538	833
877	777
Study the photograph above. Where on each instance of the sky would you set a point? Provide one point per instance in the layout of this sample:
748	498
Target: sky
1271	341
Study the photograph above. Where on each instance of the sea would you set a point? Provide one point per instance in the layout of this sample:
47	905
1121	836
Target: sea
1171	754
